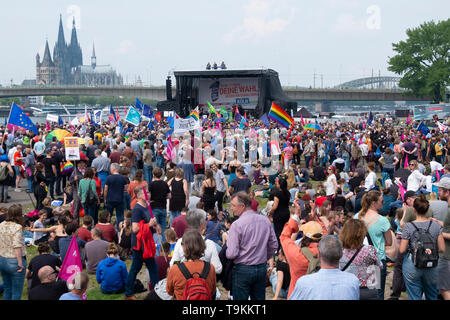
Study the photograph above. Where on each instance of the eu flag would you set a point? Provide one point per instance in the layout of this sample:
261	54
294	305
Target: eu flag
19	118
146	111
423	129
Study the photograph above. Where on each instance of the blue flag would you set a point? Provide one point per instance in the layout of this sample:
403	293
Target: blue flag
60	121
19	118
150	125
120	127
265	120
138	104
238	117
147	111
423	129
370	120
111	111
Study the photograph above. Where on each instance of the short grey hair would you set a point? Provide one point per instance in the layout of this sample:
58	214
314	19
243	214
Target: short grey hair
243	198
97	232
97	152
330	250
195	218
115	167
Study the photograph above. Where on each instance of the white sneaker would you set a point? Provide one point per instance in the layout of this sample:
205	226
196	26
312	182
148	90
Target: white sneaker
17	190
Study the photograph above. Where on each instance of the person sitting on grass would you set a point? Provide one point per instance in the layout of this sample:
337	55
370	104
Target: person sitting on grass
77	287
111	272
108	232
84	232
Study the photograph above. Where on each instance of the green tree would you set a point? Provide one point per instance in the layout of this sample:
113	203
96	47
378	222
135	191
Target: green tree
423	60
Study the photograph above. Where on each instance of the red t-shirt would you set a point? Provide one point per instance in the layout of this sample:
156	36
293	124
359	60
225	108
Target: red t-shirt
108	232
84	234
179	224
319	201
254	205
17	155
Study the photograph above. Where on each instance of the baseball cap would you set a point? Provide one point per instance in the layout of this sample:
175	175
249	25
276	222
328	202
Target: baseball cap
443	183
312	230
409	194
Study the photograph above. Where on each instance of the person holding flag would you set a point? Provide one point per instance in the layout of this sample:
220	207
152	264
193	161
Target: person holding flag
19	118
142	243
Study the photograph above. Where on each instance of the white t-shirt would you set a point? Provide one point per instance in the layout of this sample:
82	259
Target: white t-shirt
330	188
371	181
211	255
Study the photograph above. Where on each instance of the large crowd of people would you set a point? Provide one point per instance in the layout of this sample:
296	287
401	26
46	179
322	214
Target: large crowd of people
317	215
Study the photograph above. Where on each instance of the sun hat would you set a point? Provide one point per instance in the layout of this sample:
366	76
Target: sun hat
312	230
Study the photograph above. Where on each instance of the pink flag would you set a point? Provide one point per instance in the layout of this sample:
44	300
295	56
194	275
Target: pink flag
364	125
406	166
72	262
48	126
402	191
148	203
170	151
402	137
408	120
438	176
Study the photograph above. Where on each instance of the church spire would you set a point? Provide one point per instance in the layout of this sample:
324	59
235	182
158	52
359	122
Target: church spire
93	58
74	39
61	39
47	60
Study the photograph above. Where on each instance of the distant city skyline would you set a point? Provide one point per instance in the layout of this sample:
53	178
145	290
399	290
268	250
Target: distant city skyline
325	42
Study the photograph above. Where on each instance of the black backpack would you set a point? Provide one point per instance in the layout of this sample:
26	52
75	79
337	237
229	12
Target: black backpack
424	250
91	198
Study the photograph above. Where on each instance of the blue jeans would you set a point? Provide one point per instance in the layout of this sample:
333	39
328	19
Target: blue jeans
12	280
347	163
148	173
91	210
389	171
110	206
30	184
307	160
173	215
136	266
249	281
420	281
161	215
102	176
273	280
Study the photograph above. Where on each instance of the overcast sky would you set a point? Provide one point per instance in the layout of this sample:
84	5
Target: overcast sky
339	39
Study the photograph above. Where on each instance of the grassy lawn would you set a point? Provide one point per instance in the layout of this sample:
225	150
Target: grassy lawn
94	292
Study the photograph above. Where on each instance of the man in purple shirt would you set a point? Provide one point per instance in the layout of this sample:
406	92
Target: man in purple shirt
251	243
409	148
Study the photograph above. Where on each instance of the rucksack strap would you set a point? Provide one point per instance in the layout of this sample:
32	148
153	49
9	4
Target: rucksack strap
308	254
351	260
429	226
206	268
184	270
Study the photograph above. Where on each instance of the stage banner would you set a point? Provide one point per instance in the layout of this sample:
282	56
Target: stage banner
182	125
229	92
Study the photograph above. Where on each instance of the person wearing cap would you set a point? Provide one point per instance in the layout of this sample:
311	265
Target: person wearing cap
329	283
444	258
313	231
251	243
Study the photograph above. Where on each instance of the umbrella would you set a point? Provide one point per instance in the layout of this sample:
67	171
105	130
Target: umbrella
313	127
60	134
402	173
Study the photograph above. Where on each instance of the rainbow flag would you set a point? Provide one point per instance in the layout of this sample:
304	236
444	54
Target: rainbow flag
213	110
279	115
194	114
66	168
